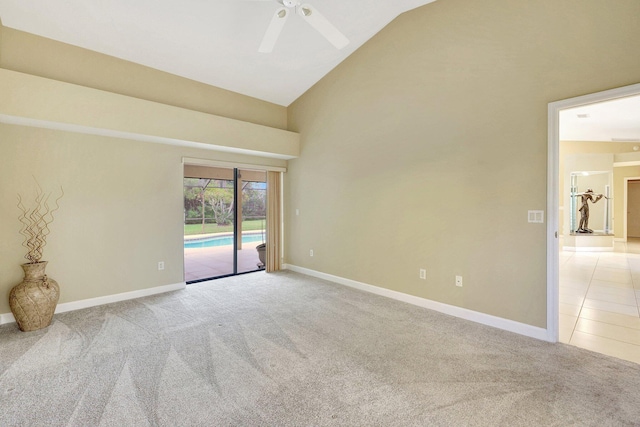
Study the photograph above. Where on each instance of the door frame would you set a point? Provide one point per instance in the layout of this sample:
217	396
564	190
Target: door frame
626	205
193	161
553	202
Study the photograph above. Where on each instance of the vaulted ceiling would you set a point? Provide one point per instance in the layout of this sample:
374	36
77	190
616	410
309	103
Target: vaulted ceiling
213	41
216	42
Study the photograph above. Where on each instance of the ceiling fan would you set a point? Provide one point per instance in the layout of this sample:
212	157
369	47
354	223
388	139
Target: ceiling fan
309	14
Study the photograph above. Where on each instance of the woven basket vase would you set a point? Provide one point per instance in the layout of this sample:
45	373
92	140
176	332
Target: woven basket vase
34	301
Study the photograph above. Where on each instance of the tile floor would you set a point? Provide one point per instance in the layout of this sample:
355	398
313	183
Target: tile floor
599	300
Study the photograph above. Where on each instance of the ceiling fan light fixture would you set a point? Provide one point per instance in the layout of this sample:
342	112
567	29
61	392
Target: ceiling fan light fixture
310	15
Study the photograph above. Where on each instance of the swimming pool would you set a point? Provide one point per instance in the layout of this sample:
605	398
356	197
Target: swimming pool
222	241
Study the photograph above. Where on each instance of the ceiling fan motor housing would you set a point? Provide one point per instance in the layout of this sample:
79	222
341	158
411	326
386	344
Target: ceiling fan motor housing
310	15
290	3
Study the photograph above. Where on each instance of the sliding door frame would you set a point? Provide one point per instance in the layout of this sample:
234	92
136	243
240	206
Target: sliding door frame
237	192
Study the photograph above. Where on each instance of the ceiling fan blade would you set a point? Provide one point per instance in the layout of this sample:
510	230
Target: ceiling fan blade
273	31
322	25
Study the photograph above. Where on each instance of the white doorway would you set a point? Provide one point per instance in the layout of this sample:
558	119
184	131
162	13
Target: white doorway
553	193
632	208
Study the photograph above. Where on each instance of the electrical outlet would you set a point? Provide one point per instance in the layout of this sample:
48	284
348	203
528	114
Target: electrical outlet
423	274
161	265
297	212
459	281
536	216
310	252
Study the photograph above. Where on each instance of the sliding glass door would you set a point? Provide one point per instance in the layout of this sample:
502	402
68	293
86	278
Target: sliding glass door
253	221
225	219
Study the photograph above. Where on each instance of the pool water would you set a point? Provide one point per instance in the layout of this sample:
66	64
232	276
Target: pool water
222	241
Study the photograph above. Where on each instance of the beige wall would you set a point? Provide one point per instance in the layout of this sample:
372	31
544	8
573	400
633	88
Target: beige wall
570	148
53	104
426	147
122	210
619	174
595	147
31	54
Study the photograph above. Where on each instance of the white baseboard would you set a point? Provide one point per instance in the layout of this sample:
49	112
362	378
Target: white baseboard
587	249
452	310
6	318
107	299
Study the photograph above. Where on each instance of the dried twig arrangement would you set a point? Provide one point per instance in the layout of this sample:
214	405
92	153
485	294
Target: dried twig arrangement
35	223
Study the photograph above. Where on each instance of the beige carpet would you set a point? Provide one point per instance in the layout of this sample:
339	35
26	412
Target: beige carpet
288	350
